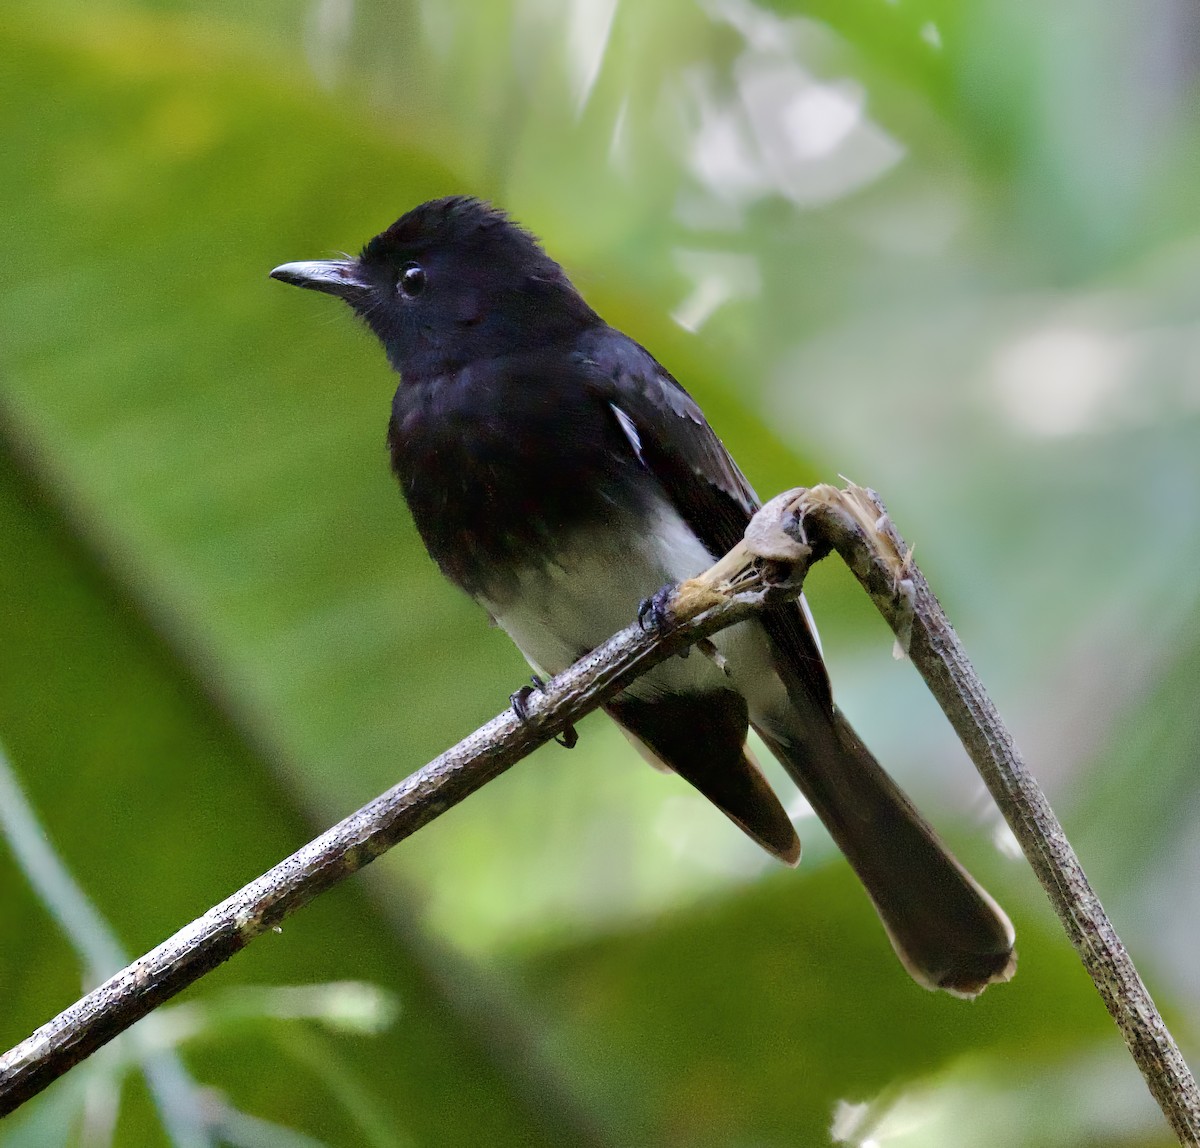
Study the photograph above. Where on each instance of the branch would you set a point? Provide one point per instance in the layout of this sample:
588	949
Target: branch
261	905
855	523
768	566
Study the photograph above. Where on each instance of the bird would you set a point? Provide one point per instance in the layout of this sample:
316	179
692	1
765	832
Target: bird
560	476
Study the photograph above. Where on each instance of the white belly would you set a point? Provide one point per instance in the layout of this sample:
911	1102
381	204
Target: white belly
560	611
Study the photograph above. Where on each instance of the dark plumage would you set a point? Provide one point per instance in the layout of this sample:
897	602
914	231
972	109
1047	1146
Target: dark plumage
558	474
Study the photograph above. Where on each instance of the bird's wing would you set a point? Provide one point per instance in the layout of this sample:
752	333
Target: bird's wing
669	435
948	932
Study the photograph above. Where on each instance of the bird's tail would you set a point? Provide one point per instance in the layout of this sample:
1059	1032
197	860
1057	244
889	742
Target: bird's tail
945	928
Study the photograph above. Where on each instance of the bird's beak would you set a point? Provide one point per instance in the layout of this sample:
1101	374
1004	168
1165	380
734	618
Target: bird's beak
333	276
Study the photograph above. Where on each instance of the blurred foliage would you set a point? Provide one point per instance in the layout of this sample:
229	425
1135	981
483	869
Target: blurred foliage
949	250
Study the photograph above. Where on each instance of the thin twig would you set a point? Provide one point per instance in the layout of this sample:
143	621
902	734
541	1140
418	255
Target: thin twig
856	524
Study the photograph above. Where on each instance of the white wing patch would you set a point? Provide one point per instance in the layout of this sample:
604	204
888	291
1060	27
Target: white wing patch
635	440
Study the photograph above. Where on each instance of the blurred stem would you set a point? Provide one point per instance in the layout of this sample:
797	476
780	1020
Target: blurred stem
94	941
371	1124
89	933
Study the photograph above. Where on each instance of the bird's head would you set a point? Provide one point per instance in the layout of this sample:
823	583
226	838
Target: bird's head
451	282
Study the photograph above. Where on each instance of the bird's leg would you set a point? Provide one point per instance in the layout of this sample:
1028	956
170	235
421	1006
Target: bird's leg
654	613
568	739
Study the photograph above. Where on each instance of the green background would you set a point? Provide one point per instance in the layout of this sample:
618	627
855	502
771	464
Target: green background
949	250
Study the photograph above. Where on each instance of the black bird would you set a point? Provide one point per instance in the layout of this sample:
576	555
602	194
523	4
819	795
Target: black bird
560	475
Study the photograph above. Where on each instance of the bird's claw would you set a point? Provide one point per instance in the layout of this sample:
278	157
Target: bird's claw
519	699
654	613
568	739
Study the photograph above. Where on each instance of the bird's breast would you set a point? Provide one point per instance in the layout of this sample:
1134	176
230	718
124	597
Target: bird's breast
500	471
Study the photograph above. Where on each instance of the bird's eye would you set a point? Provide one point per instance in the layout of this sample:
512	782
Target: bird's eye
412	280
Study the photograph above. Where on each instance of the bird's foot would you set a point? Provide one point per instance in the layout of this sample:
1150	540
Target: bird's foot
568	739
654	613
